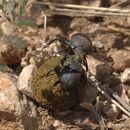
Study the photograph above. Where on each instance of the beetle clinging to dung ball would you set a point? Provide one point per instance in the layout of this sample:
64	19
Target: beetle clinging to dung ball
58	82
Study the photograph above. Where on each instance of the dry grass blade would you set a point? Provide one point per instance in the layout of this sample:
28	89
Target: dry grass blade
121	2
67	9
84	13
44	29
72	6
120	30
123	103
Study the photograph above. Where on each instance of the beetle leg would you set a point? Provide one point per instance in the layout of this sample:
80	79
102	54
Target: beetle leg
85	63
57	82
51	70
59	39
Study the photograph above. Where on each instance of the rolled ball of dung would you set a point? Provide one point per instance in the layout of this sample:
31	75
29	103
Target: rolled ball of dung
47	88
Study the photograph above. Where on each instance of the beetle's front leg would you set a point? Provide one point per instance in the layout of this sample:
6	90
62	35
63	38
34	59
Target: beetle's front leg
50	71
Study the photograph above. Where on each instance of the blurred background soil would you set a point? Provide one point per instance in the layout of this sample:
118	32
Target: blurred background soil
109	34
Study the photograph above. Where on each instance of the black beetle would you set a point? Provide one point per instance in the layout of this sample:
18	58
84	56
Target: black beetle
78	44
72	73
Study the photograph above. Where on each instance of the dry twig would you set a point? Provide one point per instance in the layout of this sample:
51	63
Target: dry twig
44	30
121	2
91	108
123	103
83	11
97	103
93	80
72	6
117	30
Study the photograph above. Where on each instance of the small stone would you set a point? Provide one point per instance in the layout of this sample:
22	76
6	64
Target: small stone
103	72
121	59
125	76
56	123
25	80
93	62
110	110
98	44
12	49
90	93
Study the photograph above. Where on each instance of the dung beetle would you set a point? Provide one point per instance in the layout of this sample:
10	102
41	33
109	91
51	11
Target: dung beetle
72	73
59	82
78	44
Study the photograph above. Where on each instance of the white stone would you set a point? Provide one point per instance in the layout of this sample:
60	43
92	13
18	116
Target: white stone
125	76
111	110
25	80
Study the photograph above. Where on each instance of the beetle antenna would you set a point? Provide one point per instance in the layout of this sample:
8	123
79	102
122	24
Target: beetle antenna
61	40
64	41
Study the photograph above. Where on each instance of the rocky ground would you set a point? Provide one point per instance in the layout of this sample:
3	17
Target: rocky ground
21	53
